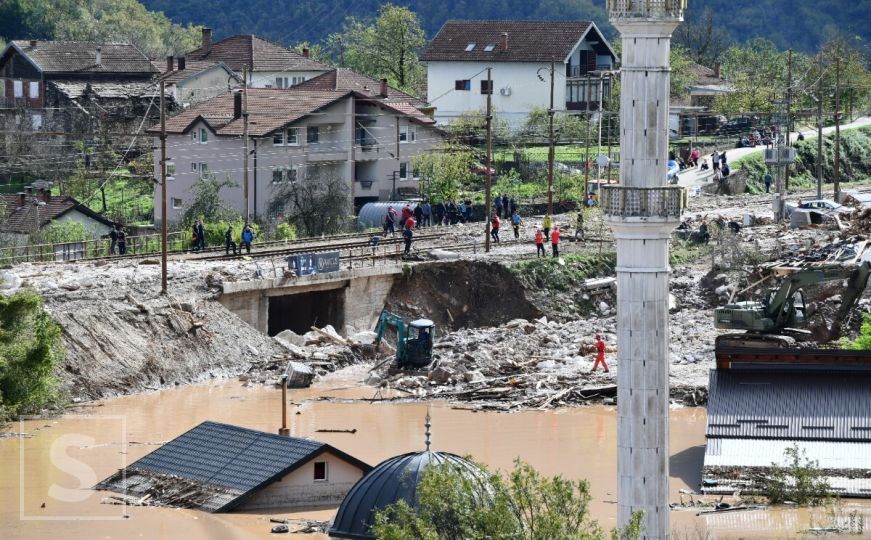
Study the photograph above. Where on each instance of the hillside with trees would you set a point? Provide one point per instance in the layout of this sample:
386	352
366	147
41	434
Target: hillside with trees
800	24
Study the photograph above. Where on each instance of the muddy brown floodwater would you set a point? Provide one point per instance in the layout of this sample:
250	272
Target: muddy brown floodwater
45	476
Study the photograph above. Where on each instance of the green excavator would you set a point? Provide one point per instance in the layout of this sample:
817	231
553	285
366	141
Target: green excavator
777	320
413	340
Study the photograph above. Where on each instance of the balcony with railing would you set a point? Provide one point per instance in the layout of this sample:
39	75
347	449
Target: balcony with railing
573	72
646	9
630	202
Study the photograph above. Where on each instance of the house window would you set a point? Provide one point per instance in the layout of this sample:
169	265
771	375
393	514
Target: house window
407	134
312	134
176	203
281	82
403	171
298	80
33	90
320	471
204	136
464	84
194	167
470	47
277	176
291	175
292	137
36	122
278	138
204	169
283	174
487	86
490	47
18	88
170	168
195	137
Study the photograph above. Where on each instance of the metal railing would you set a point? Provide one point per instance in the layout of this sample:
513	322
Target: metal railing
661	202
652	9
147	244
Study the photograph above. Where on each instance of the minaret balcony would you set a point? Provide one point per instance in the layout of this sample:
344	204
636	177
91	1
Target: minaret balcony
643	202
646	9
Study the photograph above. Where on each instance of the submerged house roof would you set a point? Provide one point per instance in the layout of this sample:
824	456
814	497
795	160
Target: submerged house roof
221	464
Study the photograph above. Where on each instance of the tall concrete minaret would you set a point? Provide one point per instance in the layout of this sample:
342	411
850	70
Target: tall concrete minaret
642	211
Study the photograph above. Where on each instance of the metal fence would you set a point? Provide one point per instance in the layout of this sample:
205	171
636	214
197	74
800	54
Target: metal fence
85	249
646	8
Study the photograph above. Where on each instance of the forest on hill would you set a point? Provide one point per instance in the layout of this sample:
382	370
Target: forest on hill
798	24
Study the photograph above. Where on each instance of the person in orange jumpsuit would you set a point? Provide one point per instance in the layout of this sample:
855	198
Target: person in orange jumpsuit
600	354
539	243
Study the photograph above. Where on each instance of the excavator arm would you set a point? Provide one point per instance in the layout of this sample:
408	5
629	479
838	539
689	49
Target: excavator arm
855	287
388	319
778	309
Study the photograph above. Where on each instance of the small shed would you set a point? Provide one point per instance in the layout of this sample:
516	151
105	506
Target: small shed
219	467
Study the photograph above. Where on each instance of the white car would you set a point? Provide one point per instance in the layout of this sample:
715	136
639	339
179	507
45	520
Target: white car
814	211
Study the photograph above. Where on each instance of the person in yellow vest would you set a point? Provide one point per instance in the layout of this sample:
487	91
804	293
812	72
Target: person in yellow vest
546	225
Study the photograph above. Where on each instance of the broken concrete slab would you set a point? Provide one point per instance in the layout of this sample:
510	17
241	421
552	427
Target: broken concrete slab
299	375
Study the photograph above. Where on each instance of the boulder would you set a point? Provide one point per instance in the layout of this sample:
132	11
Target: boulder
299	375
441	375
288	336
364	338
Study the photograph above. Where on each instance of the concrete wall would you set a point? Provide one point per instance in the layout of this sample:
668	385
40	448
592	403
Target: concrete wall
204	85
300	489
93	226
366	291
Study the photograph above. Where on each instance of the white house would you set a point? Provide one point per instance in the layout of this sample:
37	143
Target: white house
520	54
192	82
269	65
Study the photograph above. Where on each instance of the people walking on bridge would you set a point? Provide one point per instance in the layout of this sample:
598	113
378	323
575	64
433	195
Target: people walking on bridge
228	241
515	224
468	211
408	234
427	214
113	237
723	159
715	161
494	226
390	222
122	242
513	203
406	213
539	243
418	215
201	235
462	211
600	354
554	240
452	213
767	179
546	224
498	204
247	238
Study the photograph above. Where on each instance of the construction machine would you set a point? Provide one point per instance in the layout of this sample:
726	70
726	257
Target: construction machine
776	320
413	340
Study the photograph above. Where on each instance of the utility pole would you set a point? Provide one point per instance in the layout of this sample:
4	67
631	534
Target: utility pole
163	226
245	136
820	131
601	113
489	176
589	122
550	152
837	176
788	112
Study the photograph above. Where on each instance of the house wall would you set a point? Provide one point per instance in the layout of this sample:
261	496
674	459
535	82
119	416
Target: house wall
93	226
299	489
260	79
204	85
527	90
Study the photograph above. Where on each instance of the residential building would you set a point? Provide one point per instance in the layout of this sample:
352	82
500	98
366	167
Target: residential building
692	113
366	140
269	65
81	91
223	467
191	82
520	54
25	213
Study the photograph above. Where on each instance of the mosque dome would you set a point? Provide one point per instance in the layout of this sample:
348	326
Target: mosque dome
391	481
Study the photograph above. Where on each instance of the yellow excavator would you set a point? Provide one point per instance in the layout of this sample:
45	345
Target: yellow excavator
776	319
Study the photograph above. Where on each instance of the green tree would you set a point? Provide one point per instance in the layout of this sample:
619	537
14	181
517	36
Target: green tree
316	51
454	504
385	48
30	348
567	127
444	172
470	127
863	340
207	203
704	39
800	481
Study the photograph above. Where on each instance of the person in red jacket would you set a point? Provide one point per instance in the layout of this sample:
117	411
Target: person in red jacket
600	354
539	243
408	234
494	227
554	240
406	213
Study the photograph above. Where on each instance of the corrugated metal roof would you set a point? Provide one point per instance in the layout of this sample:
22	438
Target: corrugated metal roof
230	459
762	453
790	405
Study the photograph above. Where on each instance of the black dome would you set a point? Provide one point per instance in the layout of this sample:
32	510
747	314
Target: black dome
391	481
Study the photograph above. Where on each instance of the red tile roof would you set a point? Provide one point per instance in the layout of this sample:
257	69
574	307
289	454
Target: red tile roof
191	68
256	53
528	41
347	79
23	219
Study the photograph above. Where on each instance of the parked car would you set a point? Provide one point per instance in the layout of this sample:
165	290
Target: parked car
815	211
741	124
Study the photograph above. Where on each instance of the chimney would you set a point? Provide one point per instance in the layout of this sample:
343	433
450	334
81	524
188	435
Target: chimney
99	56
181	63
22	198
169	63
383	92
237	105
32	43
503	42
207	41
717	70
305	52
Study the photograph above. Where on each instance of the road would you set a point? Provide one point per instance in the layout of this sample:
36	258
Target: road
696	177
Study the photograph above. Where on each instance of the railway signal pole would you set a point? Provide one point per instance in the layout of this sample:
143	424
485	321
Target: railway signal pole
489	182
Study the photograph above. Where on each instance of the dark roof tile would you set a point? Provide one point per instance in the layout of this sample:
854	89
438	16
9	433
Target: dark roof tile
256	53
80	57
